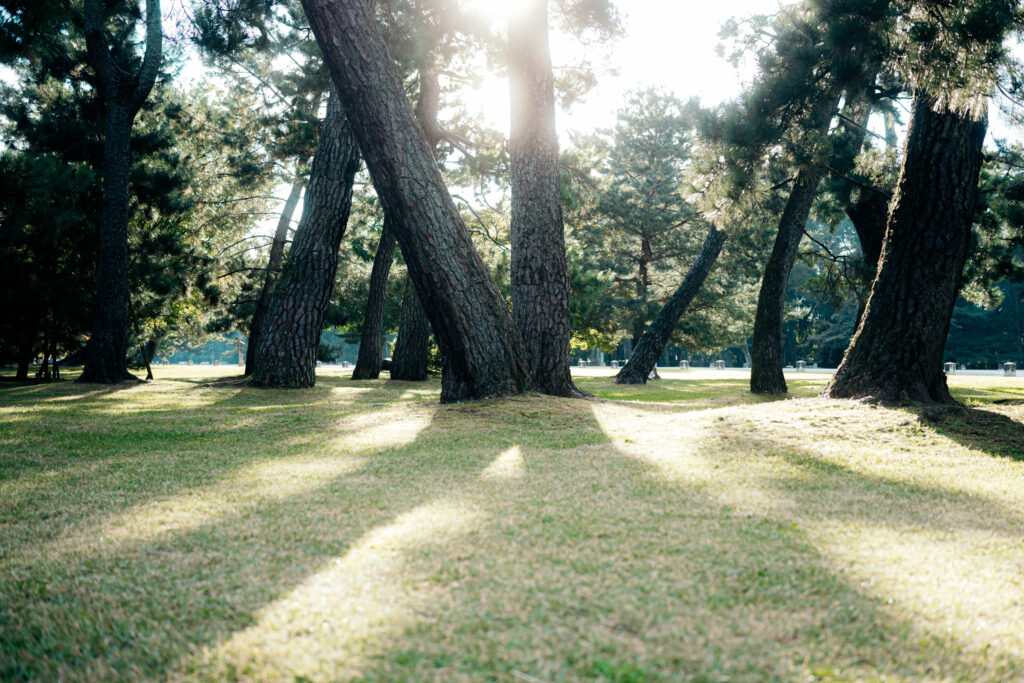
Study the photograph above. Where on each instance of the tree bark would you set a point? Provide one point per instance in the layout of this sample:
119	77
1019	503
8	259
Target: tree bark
540	276
652	343
123	95
766	355
483	350
273	268
897	352
413	343
409	361
286	356
372	339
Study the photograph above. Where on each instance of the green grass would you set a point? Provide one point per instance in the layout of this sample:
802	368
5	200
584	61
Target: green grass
684	530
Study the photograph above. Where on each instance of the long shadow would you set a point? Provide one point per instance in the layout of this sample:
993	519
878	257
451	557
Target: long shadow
979	429
565	538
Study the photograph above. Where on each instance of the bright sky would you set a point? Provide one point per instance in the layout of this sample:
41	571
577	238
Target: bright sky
667	44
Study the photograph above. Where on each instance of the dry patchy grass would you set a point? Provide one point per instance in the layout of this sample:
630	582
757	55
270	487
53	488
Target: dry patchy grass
189	529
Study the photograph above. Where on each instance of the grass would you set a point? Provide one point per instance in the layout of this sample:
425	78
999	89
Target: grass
686	530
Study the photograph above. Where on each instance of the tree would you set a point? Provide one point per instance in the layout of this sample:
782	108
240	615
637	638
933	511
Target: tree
654	339
540	276
409	360
368	362
286	356
123	90
896	353
482	349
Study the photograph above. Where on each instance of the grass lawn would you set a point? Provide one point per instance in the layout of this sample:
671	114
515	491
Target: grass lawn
189	529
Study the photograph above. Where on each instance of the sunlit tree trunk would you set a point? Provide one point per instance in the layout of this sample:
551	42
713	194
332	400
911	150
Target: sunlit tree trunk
482	348
540	276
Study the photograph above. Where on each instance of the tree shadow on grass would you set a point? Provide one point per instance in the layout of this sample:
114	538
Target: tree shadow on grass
502	537
980	429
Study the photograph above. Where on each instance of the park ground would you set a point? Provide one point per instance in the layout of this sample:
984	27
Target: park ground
192	528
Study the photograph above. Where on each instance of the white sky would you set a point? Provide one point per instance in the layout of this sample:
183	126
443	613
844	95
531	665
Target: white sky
668	43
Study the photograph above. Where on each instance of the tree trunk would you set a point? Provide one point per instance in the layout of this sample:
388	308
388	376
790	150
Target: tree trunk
286	356
372	340
897	351
483	351
122	95
409	360
284	223
653	341
106	356
766	355
540	276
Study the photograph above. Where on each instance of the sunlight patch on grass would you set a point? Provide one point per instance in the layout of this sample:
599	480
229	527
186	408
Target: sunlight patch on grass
269	480
508	465
331	624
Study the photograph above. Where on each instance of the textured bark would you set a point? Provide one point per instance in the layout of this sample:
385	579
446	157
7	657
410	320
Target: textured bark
897	352
652	343
372	339
122	95
766	354
286	356
540	276
869	216
483	350
273	269
409	360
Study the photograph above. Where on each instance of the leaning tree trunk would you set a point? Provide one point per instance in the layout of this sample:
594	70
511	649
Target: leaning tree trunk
896	353
286	356
409	360
372	339
766	354
413	343
483	351
284	223
540	276
652	342
123	95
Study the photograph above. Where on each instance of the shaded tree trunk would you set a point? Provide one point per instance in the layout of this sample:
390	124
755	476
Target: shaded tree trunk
286	356
766	354
273	268
413	343
122	94
409	360
372	339
482	348
652	343
896	353
540	276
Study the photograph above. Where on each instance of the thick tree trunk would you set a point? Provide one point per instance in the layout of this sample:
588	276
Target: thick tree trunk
372	339
273	269
286	356
896	353
483	350
540	276
106	356
122	94
409	360
652	343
